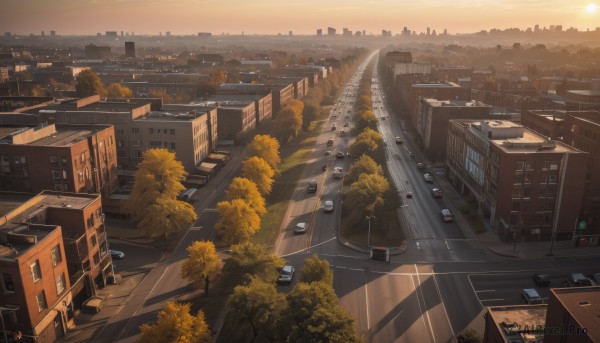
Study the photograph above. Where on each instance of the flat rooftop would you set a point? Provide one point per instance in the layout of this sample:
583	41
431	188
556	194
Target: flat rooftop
583	303
62	138
515	316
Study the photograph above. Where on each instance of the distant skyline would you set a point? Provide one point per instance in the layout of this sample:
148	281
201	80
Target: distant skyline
183	17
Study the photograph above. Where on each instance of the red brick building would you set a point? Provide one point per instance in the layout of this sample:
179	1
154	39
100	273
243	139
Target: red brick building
573	312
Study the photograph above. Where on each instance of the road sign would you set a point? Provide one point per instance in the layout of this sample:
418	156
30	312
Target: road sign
582	225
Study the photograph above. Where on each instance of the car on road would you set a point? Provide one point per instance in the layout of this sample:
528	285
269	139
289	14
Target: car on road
531	296
330	142
337	172
300	228
428	178
333	127
312	186
117	255
436	193
578	280
286	275
411	154
421	166
399	140
346	124
328	206
340	155
328	152
541	279
446	216
409	195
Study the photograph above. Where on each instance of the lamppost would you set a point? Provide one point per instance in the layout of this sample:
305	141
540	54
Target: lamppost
369	232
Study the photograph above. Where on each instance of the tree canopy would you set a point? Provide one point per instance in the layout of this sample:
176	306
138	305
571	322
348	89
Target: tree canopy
265	147
316	270
366	119
116	90
363	165
256	308
203	264
258	171
287	124
88	84
242	188
368	142
153	201
238	222
365	196
249	260
176	324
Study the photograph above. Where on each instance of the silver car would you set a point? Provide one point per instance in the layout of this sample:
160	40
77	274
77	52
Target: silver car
328	206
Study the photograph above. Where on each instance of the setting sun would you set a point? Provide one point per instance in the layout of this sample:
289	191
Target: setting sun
591	8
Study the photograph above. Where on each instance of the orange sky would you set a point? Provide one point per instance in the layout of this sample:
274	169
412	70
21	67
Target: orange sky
302	17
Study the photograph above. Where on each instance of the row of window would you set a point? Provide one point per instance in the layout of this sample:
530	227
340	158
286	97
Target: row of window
530	165
158	131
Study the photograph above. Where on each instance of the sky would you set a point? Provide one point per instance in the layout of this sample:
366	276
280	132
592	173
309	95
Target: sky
181	17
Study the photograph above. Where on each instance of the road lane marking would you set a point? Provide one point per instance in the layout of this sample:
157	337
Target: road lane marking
437	288
486	290
447	245
419	302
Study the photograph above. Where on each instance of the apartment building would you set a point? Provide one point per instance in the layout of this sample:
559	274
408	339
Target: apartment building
432	119
235	119
55	256
69	158
280	92
573	314
517	323
394	57
263	104
582	131
528	186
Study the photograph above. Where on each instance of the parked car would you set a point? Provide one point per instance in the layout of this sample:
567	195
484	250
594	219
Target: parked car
409	195
117	255
300	228
328	206
286	275
436	193
328	152
337	172
446	216
578	280
541	279
531	296
421	166
398	140
428	178
340	155
346	124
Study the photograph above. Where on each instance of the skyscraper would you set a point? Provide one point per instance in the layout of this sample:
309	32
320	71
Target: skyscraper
130	49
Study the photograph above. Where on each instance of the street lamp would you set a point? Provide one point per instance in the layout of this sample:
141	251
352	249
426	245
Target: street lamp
369	232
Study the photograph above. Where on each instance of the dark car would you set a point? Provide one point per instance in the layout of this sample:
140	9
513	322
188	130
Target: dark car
541	279
531	296
117	255
340	155
578	280
436	193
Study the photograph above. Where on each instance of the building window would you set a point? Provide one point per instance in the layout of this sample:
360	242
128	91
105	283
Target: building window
23	159
172	145
56	256
8	286
41	300
55	174
90	222
110	140
519	165
165	131
60	283
529	165
172	131
53	159
94	240
36	272
64	174
135	130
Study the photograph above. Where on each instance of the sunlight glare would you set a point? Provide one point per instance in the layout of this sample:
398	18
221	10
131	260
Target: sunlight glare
591	8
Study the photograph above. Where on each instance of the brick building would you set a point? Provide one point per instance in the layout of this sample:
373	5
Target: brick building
529	187
574	311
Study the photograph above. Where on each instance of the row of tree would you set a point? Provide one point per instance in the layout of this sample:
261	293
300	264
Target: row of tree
368	186
240	213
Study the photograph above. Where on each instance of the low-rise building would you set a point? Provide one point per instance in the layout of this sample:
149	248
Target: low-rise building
514	324
529	187
572	315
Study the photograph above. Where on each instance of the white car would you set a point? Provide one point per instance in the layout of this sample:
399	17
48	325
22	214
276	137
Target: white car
286	274
328	206
428	178
337	172
300	228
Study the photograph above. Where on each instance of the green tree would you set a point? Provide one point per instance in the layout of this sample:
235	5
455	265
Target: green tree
256	308
469	336
176	324
88	84
314	314
368	142
203	264
258	171
249	260
238	222
316	270
365	196
242	188
115	90
363	165
265	147
153	201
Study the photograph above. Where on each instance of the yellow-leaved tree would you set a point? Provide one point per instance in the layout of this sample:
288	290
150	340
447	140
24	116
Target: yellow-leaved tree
258	171
88	84
153	203
265	147
238	222
242	188
115	90
203	264
176	324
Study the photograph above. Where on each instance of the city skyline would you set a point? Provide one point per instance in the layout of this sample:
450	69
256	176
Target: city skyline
183	17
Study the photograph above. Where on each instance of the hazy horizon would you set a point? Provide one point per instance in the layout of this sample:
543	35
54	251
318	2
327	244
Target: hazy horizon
188	17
